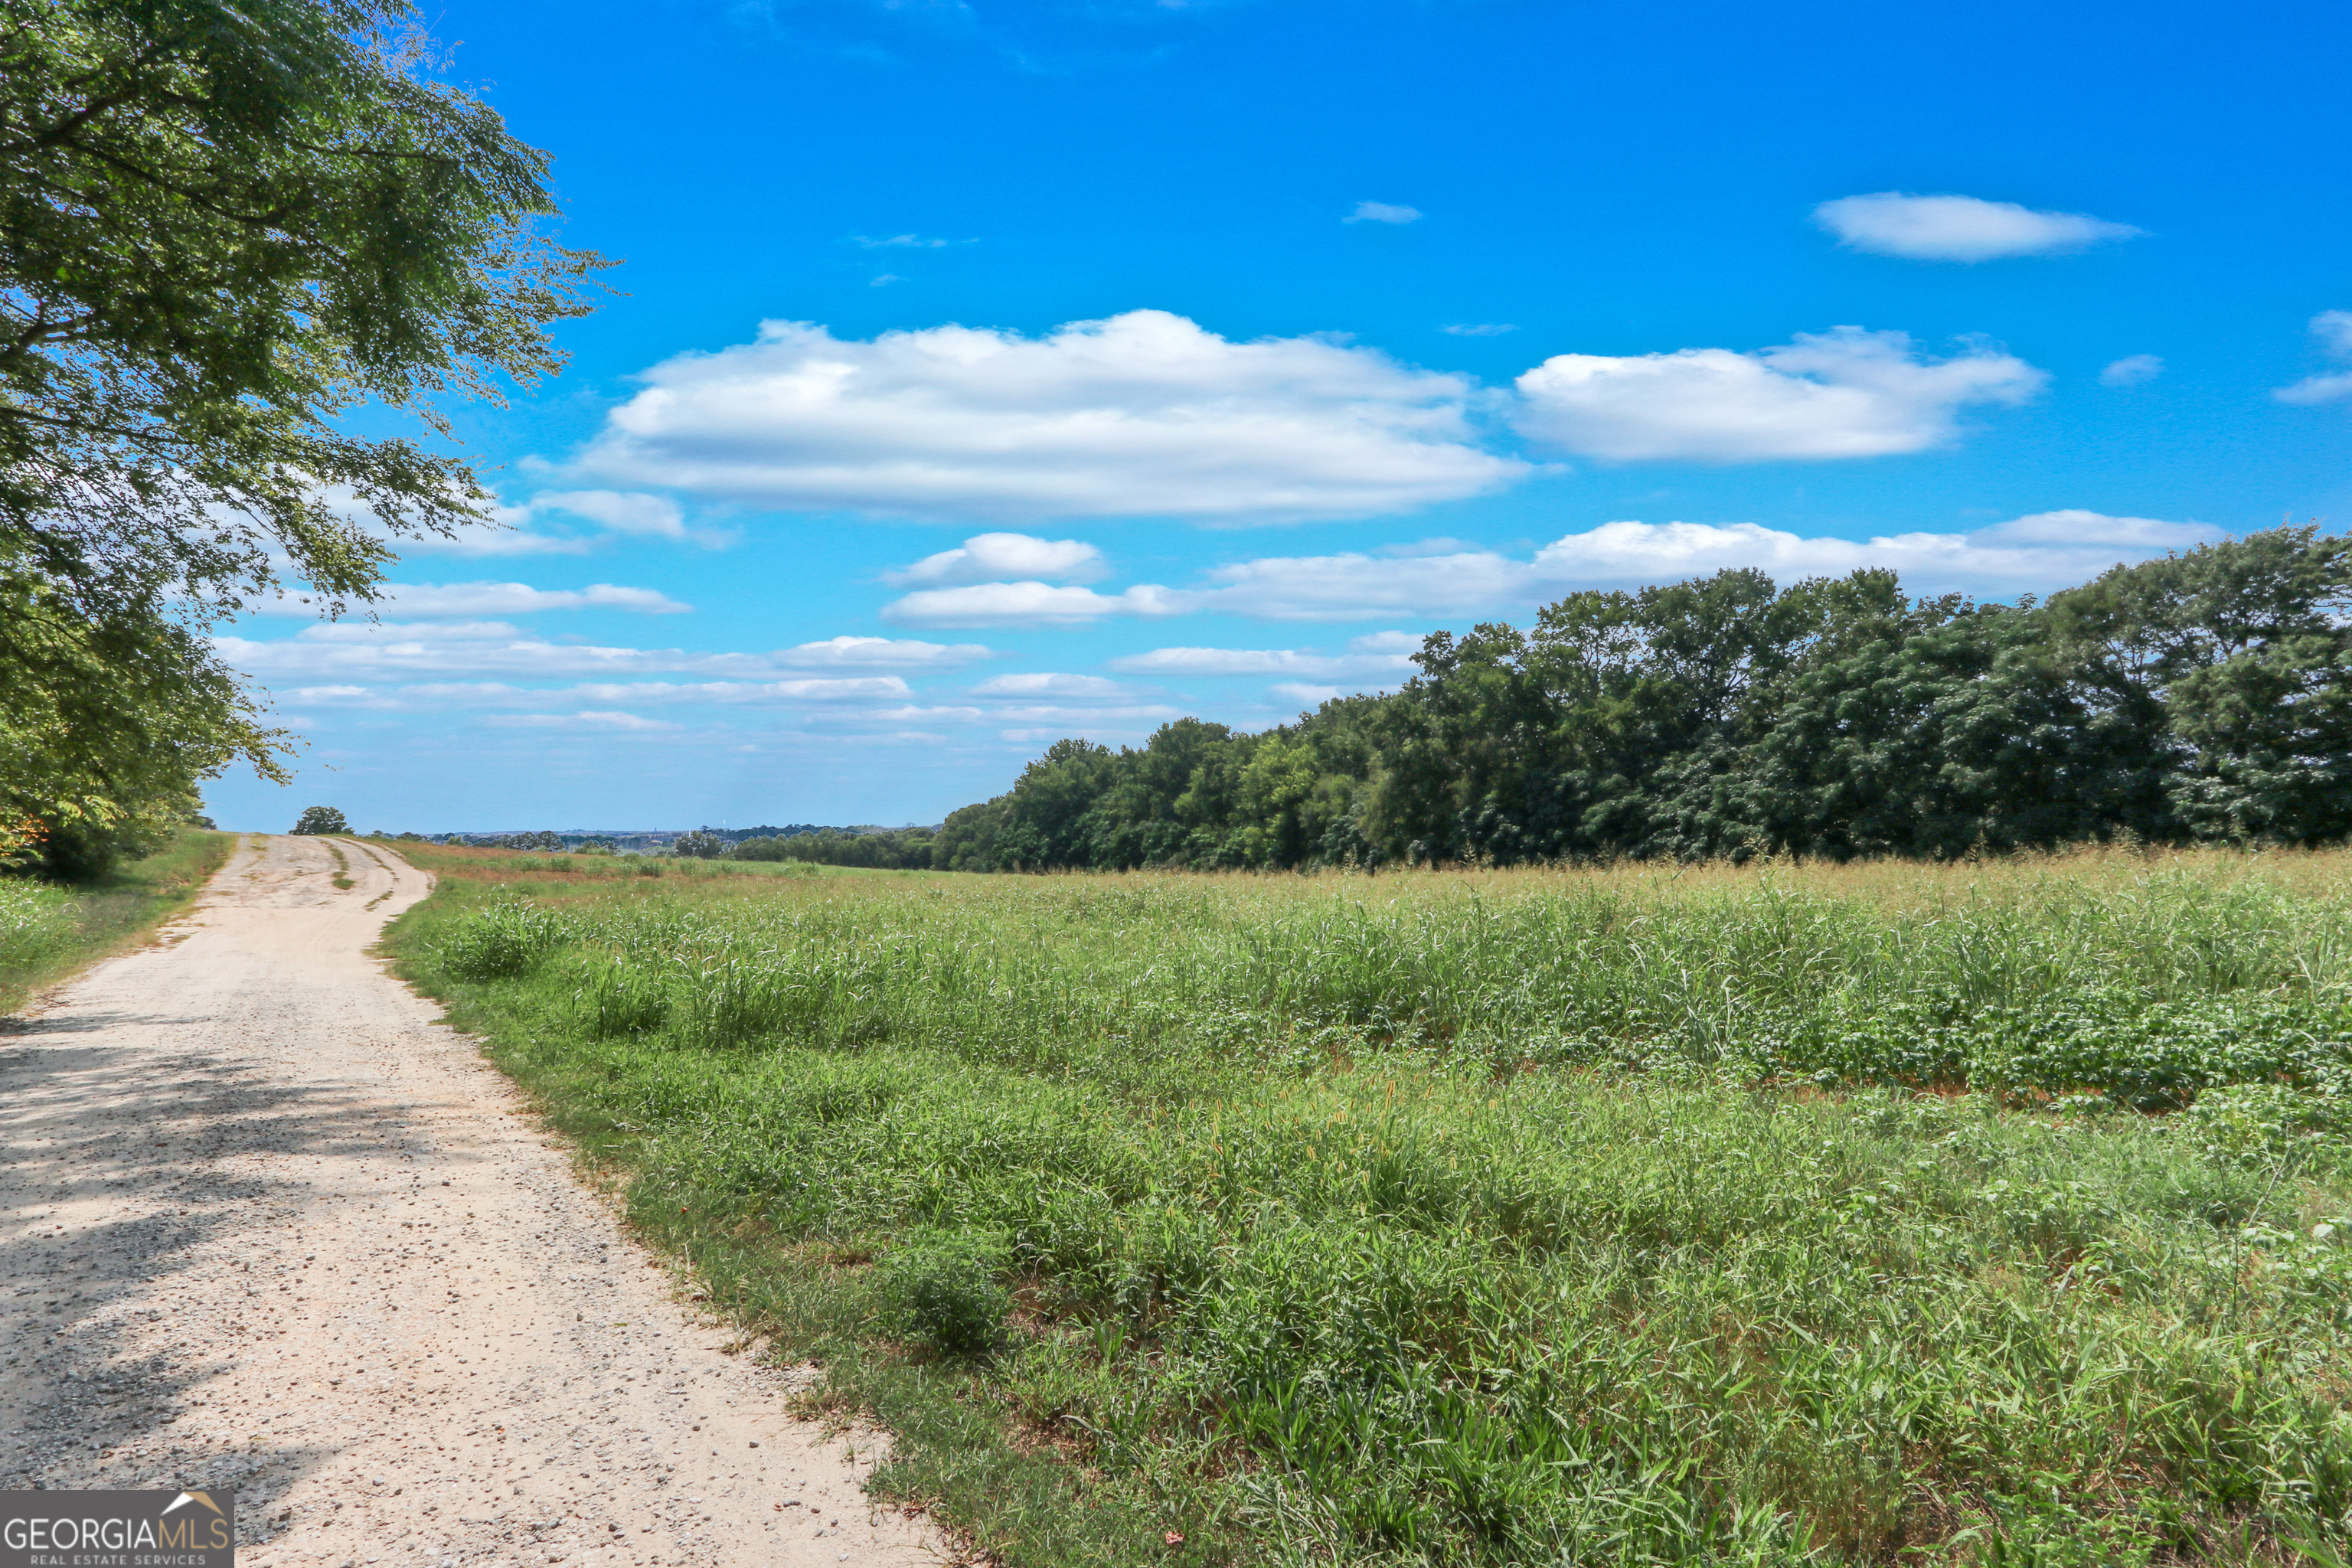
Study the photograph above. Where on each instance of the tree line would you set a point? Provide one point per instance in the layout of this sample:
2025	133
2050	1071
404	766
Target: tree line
877	849
2206	696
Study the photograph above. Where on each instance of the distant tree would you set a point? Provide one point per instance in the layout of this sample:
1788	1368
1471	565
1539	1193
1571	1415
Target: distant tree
321	819
887	849
699	845
594	846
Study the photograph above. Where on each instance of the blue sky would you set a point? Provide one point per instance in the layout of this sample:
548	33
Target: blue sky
984	373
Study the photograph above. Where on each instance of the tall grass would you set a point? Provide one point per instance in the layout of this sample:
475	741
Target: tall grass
1612	1218
36	924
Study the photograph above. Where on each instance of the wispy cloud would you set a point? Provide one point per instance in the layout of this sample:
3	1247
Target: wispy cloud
2034	553
1048	684
581	720
475	599
1023	605
2334	331
1381	655
493	694
848	689
1959	229
649	516
2132	369
375	651
1479	328
521	529
879	653
1443	577
1382	212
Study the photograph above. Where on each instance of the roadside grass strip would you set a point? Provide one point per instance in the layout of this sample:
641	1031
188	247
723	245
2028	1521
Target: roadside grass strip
1976	1214
49	930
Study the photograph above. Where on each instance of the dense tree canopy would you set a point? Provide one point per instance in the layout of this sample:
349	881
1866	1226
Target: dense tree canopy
2207	695
224	230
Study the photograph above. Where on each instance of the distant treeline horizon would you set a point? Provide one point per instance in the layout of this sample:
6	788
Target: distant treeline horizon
2203	697
565	839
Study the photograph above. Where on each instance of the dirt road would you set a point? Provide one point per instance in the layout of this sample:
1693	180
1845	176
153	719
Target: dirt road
268	1226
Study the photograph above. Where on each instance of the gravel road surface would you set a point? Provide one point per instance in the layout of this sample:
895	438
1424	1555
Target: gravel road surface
271	1227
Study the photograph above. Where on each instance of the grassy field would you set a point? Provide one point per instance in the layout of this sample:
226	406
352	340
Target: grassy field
47	931
1989	1213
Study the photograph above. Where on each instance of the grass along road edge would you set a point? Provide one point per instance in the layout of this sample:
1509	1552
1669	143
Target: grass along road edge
1004	1501
1302	1267
50	933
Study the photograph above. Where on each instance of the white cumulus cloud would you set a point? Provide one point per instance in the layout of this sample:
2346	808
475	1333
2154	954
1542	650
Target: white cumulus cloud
1144	413
996	557
1845	392
2334	331
1382	212
1959	229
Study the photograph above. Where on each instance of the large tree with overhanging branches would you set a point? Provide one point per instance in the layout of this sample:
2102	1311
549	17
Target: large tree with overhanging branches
224	231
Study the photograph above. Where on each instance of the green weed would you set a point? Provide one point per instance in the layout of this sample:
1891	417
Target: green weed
1769	1218
49	929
